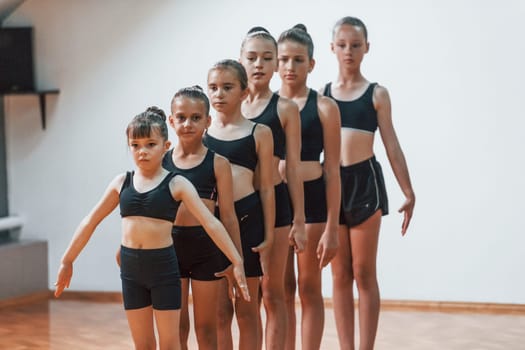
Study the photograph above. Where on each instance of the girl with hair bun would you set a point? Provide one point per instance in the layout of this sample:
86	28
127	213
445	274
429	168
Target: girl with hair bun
321	182
149	198
365	107
259	57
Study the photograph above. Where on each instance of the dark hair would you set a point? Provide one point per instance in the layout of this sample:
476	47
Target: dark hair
353	21
194	92
259	32
142	124
234	66
299	34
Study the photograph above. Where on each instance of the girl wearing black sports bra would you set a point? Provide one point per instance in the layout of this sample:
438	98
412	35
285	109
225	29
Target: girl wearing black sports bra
198	256
259	58
364	107
249	148
149	198
319	119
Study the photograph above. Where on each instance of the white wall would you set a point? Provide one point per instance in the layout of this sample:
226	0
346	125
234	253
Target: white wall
454	71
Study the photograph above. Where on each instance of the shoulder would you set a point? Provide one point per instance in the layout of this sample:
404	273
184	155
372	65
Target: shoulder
285	103
178	182
117	182
326	104
262	131
219	162
380	97
328	111
286	107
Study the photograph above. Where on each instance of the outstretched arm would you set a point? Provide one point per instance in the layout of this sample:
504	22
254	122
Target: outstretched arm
85	229
394	153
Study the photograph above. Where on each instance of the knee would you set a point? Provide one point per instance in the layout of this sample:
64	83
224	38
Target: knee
309	291
273	299
170	342
147	343
247	316
224	315
206	335
365	277
290	288
184	329
342	278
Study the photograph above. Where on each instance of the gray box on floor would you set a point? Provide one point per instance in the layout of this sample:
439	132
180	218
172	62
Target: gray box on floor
23	268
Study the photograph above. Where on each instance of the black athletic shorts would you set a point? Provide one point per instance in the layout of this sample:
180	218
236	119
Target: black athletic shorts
283	210
150	277
251	224
363	192
199	258
315	201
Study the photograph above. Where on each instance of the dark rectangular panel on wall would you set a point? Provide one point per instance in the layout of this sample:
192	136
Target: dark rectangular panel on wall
16	59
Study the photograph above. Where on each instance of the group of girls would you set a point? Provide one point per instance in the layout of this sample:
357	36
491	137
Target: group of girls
289	174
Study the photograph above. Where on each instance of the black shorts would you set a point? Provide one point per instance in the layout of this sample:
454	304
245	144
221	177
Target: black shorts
150	277
315	201
251	224
199	258
363	192
283	210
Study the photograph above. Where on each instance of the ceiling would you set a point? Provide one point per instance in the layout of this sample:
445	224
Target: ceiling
7	7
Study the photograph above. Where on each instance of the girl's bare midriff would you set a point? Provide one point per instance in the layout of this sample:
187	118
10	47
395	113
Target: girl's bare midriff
139	232
276	175
186	218
242	182
356	146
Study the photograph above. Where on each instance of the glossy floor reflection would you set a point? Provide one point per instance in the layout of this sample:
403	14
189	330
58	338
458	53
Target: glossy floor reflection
87	325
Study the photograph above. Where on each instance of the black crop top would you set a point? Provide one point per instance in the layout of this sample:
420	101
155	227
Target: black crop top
202	176
270	117
311	129
241	151
358	114
156	203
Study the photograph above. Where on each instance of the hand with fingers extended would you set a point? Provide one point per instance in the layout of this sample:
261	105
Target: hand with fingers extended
65	273
264	256
407	209
327	247
236	279
297	237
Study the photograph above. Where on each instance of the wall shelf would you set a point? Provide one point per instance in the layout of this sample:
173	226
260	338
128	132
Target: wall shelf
41	98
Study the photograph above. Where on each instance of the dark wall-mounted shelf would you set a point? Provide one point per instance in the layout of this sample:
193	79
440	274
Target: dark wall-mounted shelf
41	98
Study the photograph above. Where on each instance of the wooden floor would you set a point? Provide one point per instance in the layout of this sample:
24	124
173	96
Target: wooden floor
83	325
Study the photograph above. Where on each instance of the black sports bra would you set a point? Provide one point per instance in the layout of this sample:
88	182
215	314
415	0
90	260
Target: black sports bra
270	117
202	176
311	129
156	203
358	114
241	151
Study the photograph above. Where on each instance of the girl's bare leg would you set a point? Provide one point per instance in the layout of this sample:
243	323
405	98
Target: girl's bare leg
290	288
273	291
309	281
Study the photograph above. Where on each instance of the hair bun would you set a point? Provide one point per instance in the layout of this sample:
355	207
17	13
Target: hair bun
197	87
257	29
156	110
300	26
